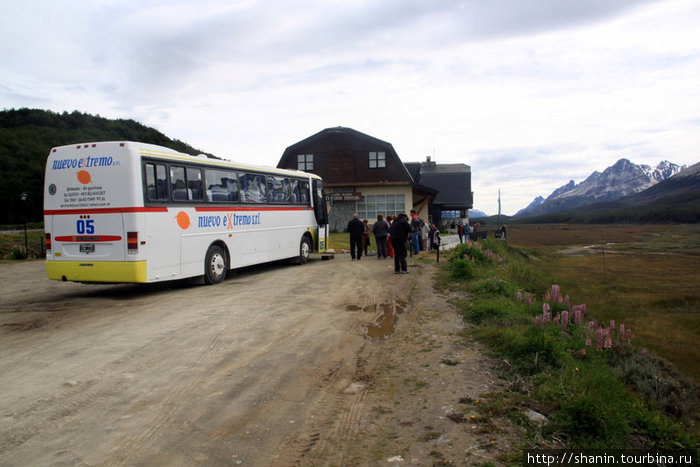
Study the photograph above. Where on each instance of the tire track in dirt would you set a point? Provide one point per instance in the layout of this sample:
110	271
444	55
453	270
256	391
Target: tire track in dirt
340	415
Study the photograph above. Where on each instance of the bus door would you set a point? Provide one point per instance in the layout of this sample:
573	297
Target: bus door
321	213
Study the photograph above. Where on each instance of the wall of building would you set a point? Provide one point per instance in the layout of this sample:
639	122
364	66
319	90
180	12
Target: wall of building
340	212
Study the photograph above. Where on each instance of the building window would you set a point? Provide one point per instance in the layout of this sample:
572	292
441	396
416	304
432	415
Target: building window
377	160
305	162
385	205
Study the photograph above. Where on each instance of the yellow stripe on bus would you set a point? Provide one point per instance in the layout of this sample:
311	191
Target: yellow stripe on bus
99	271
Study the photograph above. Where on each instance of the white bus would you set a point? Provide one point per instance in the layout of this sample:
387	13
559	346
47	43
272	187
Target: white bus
135	212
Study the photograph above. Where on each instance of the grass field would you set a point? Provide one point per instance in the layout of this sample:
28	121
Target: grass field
12	244
646	277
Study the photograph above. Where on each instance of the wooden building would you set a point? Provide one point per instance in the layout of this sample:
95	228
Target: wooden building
454	184
361	174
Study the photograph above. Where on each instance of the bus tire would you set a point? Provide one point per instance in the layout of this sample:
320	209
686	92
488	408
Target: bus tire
304	250
215	265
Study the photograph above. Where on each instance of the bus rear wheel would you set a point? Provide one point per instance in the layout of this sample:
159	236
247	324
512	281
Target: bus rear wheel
215	265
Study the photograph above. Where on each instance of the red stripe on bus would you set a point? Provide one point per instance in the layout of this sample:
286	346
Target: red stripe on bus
56	212
88	238
251	208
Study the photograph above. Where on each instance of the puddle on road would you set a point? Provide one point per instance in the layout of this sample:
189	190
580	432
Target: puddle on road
387	315
384	324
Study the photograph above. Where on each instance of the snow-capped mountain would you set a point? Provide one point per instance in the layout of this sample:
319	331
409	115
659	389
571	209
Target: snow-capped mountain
621	179
476	214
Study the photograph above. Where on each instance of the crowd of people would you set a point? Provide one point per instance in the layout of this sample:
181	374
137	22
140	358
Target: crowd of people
393	236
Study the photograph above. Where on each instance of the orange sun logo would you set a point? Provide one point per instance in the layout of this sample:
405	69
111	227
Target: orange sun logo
84	177
183	220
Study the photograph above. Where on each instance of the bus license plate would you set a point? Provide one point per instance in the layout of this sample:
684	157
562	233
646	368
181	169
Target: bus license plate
87	247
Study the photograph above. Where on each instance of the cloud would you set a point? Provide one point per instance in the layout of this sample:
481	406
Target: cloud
529	93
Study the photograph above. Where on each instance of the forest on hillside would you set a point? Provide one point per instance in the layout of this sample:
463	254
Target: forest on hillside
27	136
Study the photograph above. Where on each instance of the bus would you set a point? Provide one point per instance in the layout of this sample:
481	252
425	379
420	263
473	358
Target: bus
129	212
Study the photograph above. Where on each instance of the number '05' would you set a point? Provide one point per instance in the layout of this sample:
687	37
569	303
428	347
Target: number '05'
85	226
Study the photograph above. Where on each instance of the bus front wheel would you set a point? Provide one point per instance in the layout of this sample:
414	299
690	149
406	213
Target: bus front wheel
215	265
304	250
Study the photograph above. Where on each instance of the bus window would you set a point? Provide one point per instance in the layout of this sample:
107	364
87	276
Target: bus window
185	183
156	182
221	185
194	183
253	188
278	189
178	187
301	191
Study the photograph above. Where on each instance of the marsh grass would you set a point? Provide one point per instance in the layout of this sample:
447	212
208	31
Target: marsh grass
612	396
646	277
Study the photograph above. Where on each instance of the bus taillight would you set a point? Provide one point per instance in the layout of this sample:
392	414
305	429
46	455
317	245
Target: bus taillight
47	242
132	242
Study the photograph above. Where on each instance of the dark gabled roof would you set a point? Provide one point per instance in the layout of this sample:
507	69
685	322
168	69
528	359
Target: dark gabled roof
341	130
353	133
452	181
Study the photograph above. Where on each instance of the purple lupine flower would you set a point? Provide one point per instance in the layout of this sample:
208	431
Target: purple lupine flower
628	334
567	300
519	296
643	352
612	324
599	339
577	316
608	339
564	320
621	335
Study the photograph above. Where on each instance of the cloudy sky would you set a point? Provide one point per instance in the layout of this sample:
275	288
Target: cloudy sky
529	93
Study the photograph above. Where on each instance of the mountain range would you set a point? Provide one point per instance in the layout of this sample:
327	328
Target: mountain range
622	179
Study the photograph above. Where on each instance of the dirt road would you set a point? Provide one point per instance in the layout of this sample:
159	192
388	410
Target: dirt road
272	367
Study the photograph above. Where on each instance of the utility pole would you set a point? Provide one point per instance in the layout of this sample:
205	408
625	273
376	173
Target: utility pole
23	196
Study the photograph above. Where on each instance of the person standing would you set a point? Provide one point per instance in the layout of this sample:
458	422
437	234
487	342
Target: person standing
389	245
431	236
399	231
356	228
460	232
415	231
380	229
424	233
365	237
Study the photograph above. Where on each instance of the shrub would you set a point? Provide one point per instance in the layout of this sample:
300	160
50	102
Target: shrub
493	286
16	254
461	269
